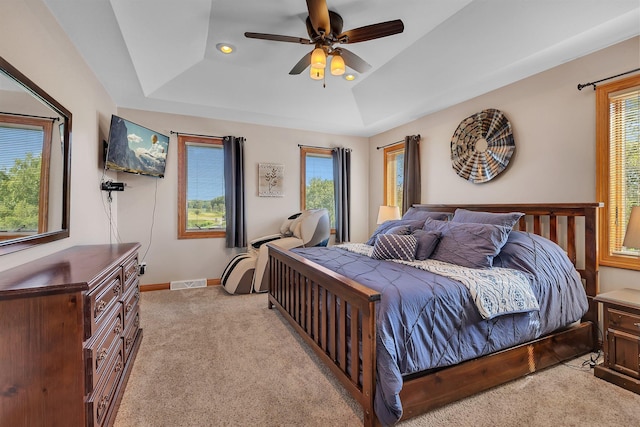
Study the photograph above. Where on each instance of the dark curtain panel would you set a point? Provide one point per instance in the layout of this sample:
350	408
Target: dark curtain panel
411	186
342	192
234	191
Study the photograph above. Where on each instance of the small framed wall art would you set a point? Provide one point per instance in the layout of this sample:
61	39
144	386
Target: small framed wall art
270	180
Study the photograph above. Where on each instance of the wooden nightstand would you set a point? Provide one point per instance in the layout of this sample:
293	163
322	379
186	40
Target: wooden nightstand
621	344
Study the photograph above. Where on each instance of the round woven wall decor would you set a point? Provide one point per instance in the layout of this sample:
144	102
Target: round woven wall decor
482	146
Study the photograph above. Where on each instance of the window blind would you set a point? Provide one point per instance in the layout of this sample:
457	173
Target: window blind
16	143
394	175
624	162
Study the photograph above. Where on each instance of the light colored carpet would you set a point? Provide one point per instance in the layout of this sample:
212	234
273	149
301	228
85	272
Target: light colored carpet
211	359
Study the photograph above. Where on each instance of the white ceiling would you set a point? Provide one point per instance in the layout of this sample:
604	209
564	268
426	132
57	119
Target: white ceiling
160	55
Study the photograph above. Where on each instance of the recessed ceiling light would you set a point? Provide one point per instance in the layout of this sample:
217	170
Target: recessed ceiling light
349	77
225	48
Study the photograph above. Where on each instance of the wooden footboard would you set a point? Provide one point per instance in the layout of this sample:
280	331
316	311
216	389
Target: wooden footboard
301	290
336	317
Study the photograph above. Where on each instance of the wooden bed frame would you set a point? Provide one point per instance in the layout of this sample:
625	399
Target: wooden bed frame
297	285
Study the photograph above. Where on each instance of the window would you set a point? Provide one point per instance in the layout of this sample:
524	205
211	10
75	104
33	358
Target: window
25	149
316	180
393	175
618	167
201	207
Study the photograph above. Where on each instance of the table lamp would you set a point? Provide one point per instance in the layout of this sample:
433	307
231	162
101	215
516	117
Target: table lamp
387	213
632	235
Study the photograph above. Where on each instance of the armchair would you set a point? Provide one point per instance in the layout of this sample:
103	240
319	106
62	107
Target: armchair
248	272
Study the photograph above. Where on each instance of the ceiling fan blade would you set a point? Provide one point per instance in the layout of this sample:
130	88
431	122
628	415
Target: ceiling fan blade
352	60
370	32
319	15
302	64
277	38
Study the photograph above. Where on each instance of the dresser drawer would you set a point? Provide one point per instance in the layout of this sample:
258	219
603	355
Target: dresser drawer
103	344
623	353
100	300
130	333
99	402
130	301
130	273
624	321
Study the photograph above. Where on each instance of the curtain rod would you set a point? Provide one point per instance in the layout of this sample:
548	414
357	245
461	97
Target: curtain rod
389	144
394	143
322	148
53	119
195	134
581	86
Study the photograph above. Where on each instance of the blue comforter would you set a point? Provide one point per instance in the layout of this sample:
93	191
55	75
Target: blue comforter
427	321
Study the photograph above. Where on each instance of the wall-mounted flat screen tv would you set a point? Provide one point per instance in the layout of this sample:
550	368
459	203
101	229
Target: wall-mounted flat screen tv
136	149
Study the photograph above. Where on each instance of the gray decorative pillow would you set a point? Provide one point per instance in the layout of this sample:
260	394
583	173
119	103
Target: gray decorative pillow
387	225
395	246
400	229
415	213
427	242
470	245
504	219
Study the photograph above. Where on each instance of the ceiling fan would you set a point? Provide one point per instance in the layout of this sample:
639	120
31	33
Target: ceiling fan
325	30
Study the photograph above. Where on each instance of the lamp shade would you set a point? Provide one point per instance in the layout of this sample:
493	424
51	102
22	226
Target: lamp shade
632	235
387	213
317	73
337	65
318	58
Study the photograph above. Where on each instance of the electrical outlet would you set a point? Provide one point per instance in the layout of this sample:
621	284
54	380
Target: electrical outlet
142	267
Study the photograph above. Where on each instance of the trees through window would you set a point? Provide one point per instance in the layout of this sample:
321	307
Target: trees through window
316	180
25	149
201	204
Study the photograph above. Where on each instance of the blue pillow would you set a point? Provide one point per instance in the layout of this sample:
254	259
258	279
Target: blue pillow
421	214
427	242
395	246
470	245
387	225
400	229
504	219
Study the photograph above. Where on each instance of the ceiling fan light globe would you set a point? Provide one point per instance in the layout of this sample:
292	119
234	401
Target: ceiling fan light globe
337	65
318	58
317	73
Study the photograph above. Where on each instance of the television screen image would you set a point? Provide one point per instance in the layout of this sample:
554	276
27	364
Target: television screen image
136	149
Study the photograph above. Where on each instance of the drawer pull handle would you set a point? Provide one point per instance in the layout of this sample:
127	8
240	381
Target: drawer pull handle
118	367
104	402
129	308
637	324
102	304
102	355
116	289
117	329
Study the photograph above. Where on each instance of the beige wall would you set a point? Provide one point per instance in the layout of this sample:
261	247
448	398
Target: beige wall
171	259
554	130
32	41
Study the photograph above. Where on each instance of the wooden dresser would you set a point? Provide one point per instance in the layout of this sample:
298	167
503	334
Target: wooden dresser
621	323
69	334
